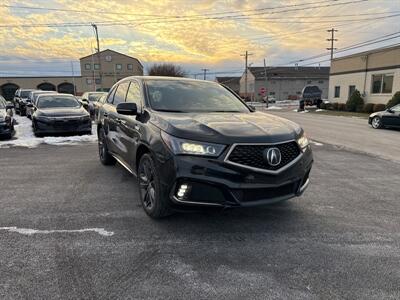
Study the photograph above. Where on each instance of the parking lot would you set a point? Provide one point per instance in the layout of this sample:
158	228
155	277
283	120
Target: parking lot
73	228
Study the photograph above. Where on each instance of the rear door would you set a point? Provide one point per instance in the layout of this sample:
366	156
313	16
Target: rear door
113	118
131	126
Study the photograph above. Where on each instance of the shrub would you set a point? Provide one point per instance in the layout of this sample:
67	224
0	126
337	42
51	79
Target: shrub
354	101
335	106
368	108
322	105
394	101
166	70
379	107
328	106
342	106
360	108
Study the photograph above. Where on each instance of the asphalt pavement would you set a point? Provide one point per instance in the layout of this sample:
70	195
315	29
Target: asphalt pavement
352	133
71	228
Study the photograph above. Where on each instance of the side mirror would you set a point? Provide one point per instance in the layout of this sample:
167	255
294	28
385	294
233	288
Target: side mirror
29	104
252	108
9	105
127	108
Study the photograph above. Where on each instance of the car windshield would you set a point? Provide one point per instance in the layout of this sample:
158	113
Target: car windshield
25	94
95	97
57	102
191	96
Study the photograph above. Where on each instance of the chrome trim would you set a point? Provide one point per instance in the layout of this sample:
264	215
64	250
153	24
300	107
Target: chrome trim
304	186
125	165
226	160
195	203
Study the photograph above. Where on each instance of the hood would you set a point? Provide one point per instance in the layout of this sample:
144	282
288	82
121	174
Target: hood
227	128
62	112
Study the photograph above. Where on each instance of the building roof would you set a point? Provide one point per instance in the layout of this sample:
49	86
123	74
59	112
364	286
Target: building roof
228	79
377	50
119	53
290	72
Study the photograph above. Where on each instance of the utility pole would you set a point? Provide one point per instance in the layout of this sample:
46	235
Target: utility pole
73	77
245	71
332	40
98	55
205	73
265	82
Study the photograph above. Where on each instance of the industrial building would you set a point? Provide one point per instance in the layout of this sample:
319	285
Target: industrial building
375	73
98	71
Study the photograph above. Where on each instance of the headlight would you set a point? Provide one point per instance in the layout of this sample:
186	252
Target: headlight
181	146
303	142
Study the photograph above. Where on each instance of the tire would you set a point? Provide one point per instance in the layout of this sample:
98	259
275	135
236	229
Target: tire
105	157
152	198
376	122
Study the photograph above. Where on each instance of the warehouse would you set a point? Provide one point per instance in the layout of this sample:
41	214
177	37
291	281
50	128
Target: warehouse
375	73
98	71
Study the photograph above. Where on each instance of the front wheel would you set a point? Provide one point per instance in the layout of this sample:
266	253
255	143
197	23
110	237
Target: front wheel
376	123
154	201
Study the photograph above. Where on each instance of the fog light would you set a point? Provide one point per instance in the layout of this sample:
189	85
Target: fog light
182	190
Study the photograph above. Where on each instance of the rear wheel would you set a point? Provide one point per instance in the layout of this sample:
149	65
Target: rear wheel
105	157
376	122
154	201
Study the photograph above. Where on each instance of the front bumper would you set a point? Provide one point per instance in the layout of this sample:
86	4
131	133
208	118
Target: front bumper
213	182
62	126
5	128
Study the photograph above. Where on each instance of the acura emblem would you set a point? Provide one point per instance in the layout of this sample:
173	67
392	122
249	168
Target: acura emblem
272	156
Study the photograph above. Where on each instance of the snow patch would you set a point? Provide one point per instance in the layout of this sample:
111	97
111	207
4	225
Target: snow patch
24	136
318	110
274	107
316	143
30	231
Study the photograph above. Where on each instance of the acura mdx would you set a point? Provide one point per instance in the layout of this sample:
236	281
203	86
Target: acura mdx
196	143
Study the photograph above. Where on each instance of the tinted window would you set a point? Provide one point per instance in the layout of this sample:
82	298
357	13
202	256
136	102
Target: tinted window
95	96
24	94
57	101
134	94
120	94
192	96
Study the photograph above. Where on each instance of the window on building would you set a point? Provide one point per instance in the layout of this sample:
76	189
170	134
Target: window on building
118	67
337	91
382	84
271	93
130	66
98	81
320	81
87	66
97	66
89	81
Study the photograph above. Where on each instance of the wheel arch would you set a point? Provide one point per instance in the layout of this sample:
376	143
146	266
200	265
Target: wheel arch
142	149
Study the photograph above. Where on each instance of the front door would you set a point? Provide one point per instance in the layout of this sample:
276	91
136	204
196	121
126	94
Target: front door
392	118
131	127
352	89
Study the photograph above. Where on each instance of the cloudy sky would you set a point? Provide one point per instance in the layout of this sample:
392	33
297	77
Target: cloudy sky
43	37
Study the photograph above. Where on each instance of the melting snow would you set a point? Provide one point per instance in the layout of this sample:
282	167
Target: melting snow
316	143
24	136
29	231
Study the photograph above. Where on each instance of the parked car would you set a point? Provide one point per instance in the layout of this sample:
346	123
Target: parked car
195	143
97	105
387	118
60	113
311	95
33	95
6	119
20	100
89	98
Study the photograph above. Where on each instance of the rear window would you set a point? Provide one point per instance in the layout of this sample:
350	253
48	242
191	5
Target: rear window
57	102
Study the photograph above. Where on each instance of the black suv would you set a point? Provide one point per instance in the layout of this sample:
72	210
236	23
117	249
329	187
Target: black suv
195	143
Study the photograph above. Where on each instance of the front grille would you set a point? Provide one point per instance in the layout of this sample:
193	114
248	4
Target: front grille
252	155
249	195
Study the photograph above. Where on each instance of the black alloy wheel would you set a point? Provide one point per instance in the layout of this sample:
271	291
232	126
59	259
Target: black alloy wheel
105	157
154	202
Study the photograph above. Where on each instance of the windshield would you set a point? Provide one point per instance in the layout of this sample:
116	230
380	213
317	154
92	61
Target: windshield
24	94
57	102
192	96
95	97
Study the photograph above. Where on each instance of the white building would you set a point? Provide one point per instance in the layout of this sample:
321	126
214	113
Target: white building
283	82
375	73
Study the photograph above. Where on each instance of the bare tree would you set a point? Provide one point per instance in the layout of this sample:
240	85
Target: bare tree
166	70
